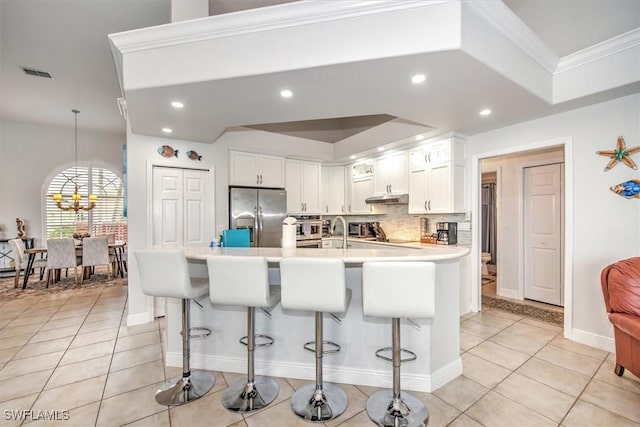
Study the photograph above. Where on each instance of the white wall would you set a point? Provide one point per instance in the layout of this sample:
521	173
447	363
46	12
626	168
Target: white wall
32	154
141	150
605	226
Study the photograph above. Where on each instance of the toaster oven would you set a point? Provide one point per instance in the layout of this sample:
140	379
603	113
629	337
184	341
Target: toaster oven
309	229
360	230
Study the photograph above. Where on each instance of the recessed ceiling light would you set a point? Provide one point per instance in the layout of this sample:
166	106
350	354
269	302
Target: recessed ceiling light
286	93
419	137
167	130
353	156
177	104
381	148
418	78
485	112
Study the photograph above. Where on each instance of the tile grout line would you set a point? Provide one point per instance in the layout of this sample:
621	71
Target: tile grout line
510	374
65	351
113	351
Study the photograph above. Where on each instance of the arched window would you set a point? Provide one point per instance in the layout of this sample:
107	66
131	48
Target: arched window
106	217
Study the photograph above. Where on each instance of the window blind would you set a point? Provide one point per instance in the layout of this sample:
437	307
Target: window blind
105	217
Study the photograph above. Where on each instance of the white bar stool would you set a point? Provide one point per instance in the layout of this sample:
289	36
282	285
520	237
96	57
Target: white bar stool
316	284
244	281
166	274
398	289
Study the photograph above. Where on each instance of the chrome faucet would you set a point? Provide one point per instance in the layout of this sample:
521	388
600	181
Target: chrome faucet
344	229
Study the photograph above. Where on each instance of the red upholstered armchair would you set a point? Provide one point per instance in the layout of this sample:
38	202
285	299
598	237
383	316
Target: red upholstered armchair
621	289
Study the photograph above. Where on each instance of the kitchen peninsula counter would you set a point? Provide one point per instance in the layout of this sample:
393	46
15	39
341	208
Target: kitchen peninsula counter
436	341
350	256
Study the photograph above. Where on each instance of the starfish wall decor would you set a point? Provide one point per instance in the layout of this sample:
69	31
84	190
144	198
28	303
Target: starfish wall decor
621	153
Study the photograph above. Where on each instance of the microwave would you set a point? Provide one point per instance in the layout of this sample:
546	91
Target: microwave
308	229
360	229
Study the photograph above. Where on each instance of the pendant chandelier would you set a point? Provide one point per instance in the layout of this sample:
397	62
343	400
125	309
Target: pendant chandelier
76	198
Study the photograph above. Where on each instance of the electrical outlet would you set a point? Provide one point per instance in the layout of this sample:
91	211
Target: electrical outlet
464	226
467	216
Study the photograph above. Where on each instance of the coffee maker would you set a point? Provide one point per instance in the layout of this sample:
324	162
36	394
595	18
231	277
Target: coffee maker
447	233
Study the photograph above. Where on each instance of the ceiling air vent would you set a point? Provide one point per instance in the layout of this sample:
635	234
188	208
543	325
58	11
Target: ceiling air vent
37	73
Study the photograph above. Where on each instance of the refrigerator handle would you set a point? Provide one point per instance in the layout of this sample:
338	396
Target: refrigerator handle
256	227
259	225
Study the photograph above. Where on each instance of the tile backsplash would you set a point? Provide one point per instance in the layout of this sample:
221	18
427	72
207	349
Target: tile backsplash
398	224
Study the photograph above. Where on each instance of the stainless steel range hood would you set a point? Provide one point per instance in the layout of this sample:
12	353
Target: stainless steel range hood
388	199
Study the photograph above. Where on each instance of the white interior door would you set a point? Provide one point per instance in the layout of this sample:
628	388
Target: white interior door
167	206
196	203
543	205
181	213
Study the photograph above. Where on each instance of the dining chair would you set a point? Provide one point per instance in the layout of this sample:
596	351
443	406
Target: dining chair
95	251
111	239
20	259
61	253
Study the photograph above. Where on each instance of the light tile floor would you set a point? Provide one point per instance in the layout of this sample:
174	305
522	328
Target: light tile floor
72	352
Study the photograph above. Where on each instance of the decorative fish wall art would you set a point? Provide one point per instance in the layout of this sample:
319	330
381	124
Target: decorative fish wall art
167	151
628	189
620	154
193	155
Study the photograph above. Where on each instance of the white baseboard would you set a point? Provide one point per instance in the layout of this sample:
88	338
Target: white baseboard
446	374
306	371
593	340
139	318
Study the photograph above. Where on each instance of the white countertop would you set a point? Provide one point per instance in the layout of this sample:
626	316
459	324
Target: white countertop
352	255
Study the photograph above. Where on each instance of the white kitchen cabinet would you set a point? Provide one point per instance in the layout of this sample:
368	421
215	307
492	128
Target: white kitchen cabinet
437	181
390	174
302	182
361	189
333	190
256	170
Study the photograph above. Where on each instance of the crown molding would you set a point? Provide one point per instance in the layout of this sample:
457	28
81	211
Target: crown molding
256	20
599	51
511	26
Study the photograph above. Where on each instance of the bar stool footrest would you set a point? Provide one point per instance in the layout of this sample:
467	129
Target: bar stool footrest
311	346
267	340
198	332
412	355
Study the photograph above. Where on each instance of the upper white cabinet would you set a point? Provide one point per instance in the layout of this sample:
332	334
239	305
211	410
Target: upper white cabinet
391	174
256	170
303	187
437	177
361	189
333	190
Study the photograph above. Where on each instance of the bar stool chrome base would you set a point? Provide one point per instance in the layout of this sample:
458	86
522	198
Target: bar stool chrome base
248	396
319	405
180	390
387	411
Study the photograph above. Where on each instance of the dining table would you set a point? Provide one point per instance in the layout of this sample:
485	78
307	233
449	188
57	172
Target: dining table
118	250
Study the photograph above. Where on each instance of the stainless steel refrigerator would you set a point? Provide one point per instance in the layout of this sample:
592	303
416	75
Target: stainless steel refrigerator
260	210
